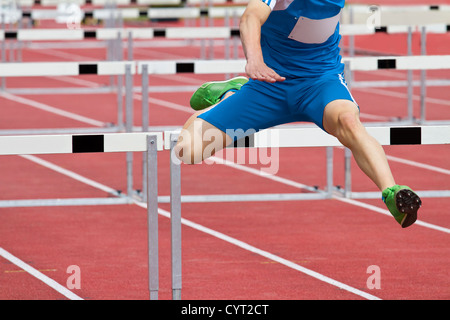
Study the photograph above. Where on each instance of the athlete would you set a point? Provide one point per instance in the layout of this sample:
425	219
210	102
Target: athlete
295	74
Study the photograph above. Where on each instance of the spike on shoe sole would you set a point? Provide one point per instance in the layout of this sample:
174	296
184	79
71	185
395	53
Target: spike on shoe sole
408	203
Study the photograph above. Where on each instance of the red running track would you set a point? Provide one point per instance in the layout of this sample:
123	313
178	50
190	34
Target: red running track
335	239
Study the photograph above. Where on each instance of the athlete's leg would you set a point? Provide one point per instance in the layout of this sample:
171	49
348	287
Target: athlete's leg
341	119
254	106
192	144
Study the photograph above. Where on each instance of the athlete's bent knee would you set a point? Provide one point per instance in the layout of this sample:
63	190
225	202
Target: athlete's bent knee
349	128
186	151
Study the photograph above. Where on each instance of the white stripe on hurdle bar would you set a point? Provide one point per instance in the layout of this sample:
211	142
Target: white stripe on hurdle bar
121	142
187	32
58	144
311	137
316	137
120	2
356	64
356	7
362	29
38	69
433	62
398	17
32	69
133	13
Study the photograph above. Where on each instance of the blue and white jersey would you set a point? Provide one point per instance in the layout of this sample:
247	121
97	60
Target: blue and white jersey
301	37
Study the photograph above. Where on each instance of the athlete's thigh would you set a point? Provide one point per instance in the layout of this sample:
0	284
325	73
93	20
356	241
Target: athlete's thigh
255	107
200	140
324	99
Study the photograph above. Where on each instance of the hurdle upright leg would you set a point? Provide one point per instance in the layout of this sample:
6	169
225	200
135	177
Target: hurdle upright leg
329	170
129	125
145	126
423	77
175	219
410	79
348	172
152	216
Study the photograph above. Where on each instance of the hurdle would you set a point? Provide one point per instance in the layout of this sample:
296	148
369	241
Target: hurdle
406	63
100	68
288	138
130	68
150	143
295	137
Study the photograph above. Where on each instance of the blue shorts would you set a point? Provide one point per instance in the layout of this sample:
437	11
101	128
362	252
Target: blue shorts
260	105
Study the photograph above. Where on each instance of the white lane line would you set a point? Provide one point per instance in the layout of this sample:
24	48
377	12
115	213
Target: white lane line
268	255
66	55
35	273
167	104
214	233
419	164
387	213
77	81
401	95
51	109
70	174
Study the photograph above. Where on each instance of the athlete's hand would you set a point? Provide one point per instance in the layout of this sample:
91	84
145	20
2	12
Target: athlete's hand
260	71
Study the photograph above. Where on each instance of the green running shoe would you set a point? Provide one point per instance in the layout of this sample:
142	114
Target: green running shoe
210	93
403	204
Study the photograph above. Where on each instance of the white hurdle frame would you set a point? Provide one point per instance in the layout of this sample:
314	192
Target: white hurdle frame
114	36
299	137
101	68
208	67
150	143
287	138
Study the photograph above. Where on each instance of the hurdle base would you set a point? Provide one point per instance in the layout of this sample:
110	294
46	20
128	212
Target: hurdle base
420	193
64	202
153	294
320	195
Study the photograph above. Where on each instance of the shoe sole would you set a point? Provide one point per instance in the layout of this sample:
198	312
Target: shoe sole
408	203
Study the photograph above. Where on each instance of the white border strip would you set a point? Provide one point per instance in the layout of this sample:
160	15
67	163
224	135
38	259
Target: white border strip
62	144
316	137
189	32
36	69
35	273
219	66
49	34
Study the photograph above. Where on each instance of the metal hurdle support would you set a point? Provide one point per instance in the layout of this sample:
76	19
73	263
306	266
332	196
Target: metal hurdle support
114	36
198	67
74	143
150	143
119	68
41	69
295	137
288	138
175	221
